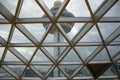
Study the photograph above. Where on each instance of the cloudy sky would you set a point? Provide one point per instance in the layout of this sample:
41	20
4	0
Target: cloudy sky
77	7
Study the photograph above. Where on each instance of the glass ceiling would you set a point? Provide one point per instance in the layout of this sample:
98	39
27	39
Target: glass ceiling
59	40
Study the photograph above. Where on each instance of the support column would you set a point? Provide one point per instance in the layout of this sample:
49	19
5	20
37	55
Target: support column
57	50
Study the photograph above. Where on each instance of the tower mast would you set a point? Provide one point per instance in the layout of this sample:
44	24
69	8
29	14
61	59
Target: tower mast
57	36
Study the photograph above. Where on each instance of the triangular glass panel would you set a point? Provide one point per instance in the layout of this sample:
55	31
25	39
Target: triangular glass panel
107	28
10	6
4	30
101	56
75	28
114	11
83	73
18	37
114	50
10	57
39	56
55	52
30	9
55	36
71	57
56	73
29	73
27	52
79	9
4	73
37	30
18	69
1	16
49	38
95	4
109	72
70	69
43	69
85	51
91	36
1	52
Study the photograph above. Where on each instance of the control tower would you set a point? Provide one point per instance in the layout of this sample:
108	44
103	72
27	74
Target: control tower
57	36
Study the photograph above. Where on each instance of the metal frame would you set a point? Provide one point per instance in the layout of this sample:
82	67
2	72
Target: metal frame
95	18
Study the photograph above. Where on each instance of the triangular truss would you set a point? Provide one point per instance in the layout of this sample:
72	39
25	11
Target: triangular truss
89	51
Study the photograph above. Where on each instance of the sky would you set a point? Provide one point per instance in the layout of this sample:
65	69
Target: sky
76	7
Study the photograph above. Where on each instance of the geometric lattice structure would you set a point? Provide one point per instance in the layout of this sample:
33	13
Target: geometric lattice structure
91	50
